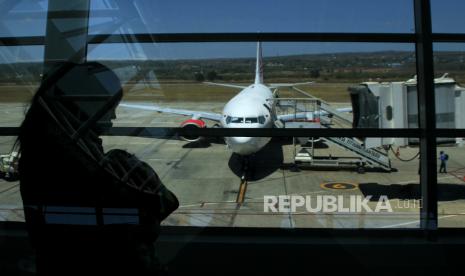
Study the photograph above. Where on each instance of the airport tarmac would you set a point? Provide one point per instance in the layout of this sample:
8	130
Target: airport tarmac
207	181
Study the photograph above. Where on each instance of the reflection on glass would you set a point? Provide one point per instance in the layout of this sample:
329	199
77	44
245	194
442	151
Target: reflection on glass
364	89
325	172
343	184
20	75
23	18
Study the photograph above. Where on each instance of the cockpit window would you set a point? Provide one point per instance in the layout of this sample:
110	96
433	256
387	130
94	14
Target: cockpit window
247	120
237	120
251	120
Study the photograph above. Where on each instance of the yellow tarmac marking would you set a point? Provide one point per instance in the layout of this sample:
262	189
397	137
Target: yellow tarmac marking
242	190
339	186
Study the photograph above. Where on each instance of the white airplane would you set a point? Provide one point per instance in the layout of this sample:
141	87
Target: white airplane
253	107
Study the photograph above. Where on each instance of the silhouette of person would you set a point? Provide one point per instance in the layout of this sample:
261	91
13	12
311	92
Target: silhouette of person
86	211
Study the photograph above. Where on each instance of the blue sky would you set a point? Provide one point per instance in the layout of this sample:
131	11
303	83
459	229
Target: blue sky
161	16
187	16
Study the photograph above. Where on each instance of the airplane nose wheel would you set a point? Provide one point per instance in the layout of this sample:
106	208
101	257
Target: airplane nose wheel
244	179
361	168
245	167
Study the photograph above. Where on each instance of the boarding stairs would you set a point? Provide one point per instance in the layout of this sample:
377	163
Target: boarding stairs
370	157
366	157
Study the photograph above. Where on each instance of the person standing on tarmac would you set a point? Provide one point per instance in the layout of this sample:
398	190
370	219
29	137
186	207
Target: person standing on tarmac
443	157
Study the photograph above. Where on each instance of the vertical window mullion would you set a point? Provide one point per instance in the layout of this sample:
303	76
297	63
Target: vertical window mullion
427	114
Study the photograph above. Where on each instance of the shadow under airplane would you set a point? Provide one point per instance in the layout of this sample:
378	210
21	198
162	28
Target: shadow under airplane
205	142
261	164
446	191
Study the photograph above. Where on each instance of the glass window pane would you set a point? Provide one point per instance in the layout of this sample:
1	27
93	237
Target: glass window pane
357	82
250	120
237	120
20	75
447	16
449	85
338	192
361	16
10	199
451	177
23	18
326	176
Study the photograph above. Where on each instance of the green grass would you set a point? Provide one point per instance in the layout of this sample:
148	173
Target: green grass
180	91
330	92
199	92
17	93
189	91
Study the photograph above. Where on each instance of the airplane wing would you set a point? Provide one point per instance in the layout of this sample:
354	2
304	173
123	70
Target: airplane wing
192	113
226	85
271	85
279	85
292	104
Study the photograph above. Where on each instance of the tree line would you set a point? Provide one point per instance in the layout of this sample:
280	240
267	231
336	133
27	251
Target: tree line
323	67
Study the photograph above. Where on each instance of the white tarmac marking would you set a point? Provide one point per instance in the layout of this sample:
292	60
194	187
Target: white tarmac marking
418	221
248	200
206	203
3	216
201	220
10	207
416	180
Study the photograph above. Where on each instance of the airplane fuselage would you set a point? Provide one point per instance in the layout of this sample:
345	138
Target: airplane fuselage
251	108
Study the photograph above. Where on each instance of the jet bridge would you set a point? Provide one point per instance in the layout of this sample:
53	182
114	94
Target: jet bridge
314	113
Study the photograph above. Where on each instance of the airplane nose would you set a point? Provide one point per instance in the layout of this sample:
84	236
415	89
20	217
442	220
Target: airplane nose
241	140
242	145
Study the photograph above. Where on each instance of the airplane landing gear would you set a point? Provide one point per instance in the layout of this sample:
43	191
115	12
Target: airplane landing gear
361	168
245	167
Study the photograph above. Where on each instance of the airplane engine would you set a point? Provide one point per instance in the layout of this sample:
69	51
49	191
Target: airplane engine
192	123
